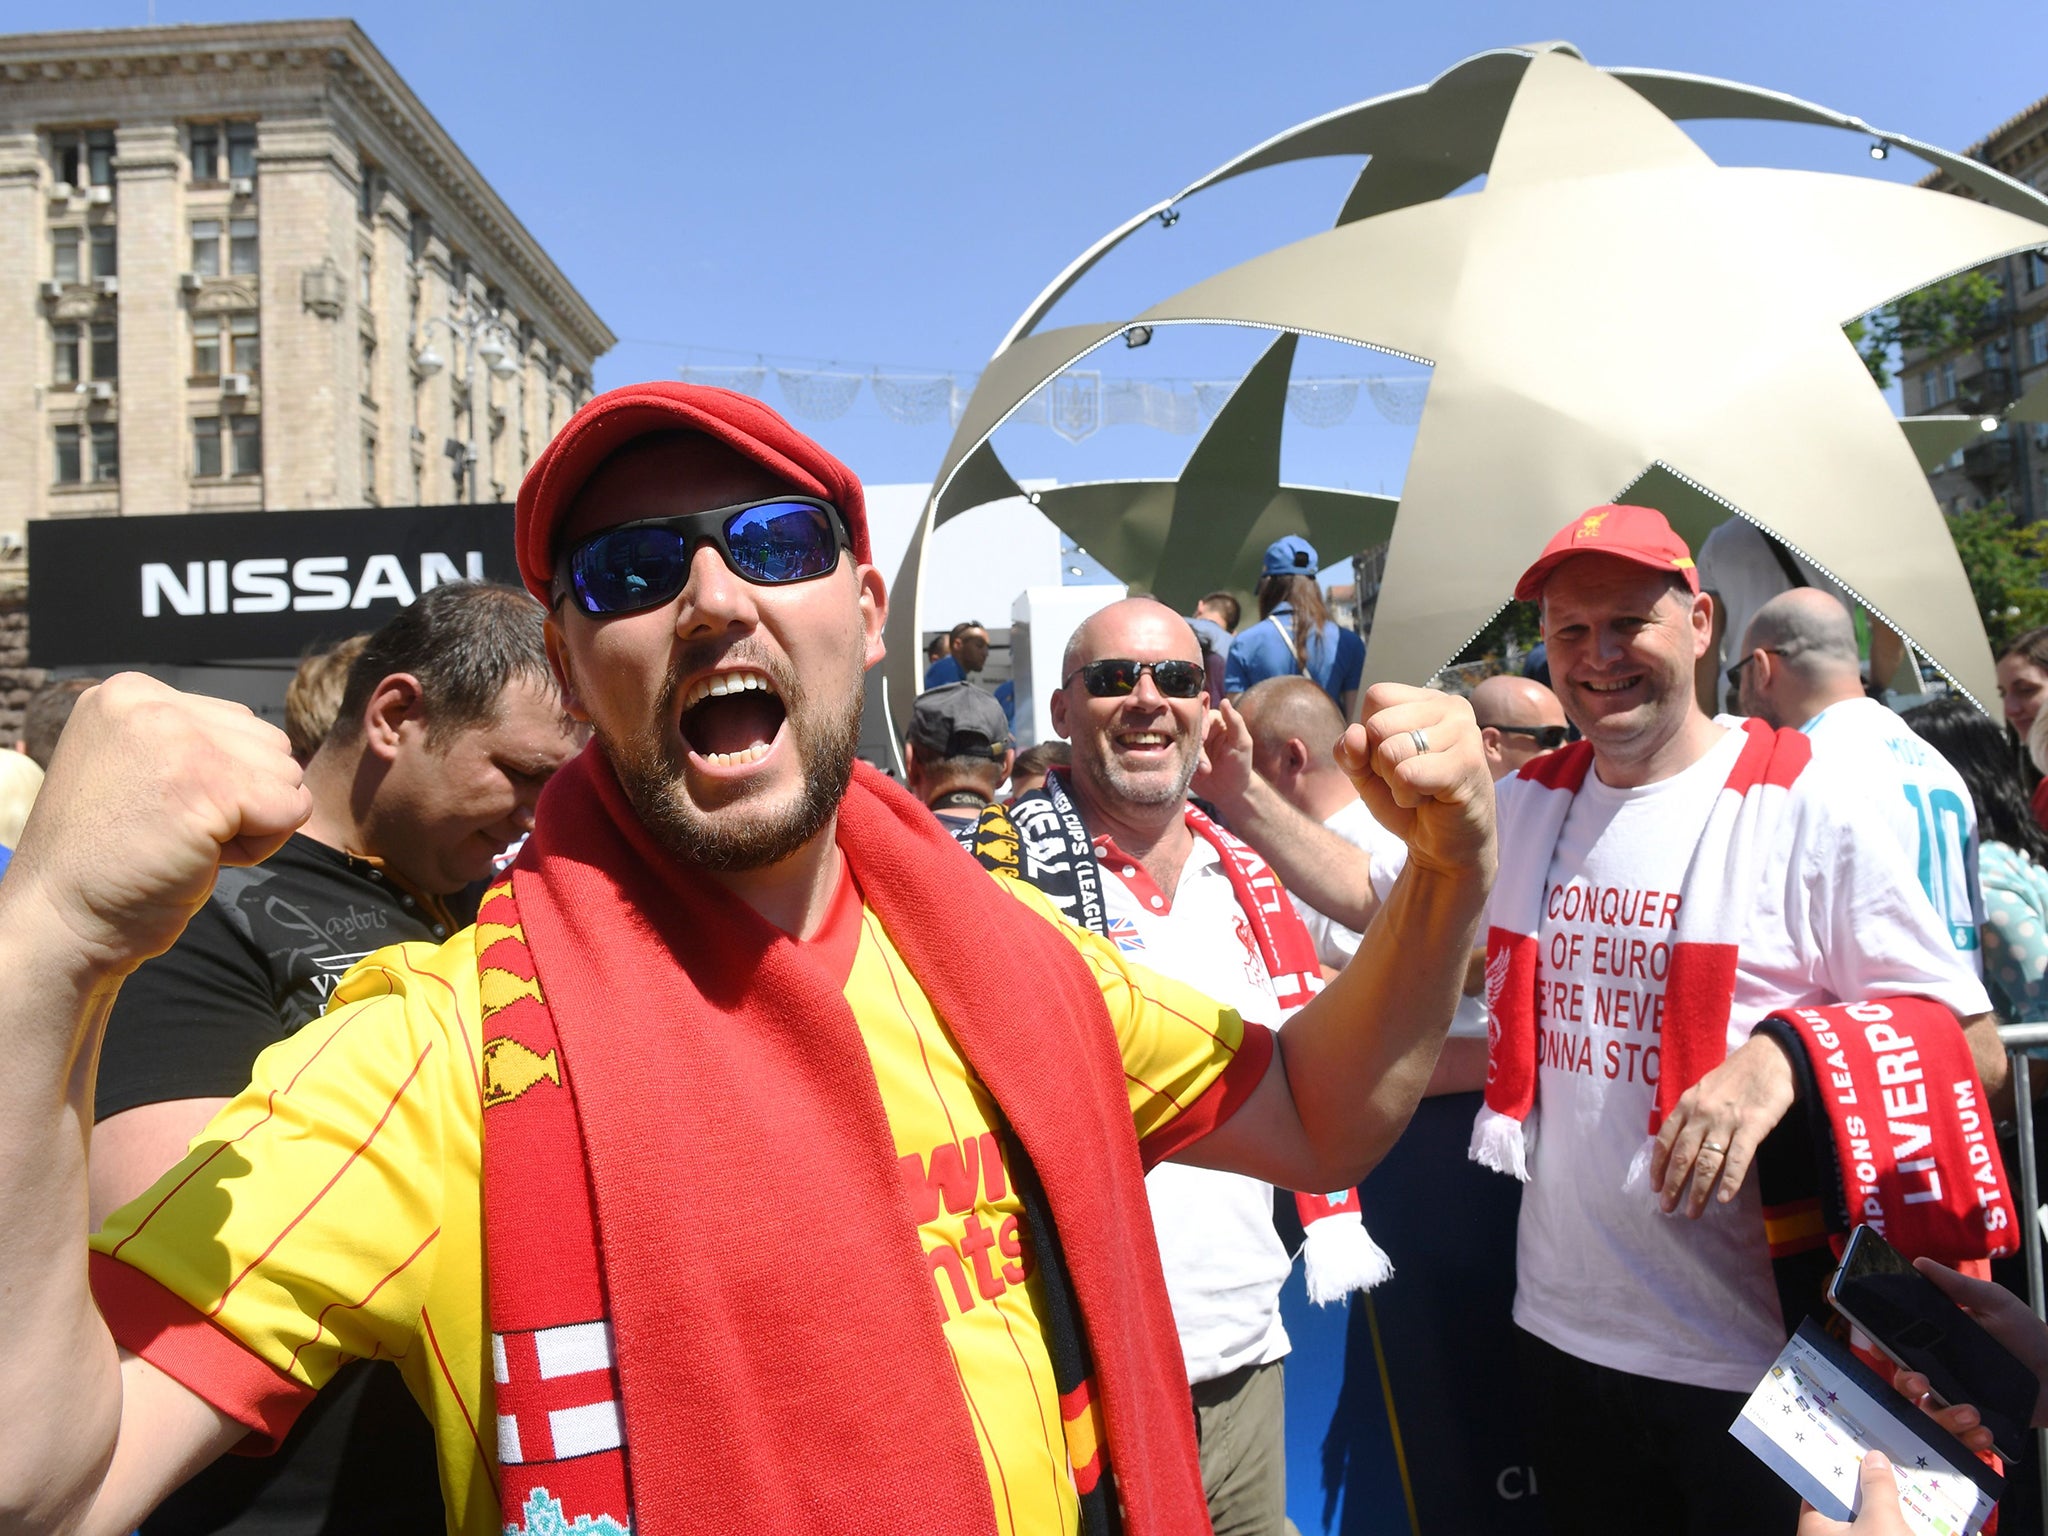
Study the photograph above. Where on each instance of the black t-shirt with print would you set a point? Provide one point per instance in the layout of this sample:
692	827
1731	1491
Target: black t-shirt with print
257	962
254	965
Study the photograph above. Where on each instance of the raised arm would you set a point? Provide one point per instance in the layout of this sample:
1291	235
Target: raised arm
1353	1063
1331	875
150	792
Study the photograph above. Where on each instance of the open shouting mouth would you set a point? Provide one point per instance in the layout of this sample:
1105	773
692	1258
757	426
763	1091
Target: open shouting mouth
731	719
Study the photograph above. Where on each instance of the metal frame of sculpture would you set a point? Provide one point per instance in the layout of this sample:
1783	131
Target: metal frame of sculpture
1563	307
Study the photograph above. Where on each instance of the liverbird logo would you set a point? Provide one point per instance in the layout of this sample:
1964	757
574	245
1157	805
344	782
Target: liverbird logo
511	1068
1589	525
1496	981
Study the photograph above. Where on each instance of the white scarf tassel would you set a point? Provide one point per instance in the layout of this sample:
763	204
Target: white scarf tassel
1340	1257
1503	1143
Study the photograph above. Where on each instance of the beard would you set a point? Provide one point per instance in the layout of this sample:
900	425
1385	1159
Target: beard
741	833
1114	782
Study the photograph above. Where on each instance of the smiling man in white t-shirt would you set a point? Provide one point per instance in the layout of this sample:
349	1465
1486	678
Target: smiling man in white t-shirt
1647	1316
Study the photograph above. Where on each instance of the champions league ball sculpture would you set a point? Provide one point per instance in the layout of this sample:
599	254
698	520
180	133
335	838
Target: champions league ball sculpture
1611	317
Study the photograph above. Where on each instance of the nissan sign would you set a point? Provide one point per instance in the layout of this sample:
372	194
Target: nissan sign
241	586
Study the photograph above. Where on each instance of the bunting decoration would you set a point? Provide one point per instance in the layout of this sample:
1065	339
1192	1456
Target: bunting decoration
1076	404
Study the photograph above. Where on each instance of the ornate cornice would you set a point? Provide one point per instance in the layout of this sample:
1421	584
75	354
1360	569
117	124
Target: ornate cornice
335	60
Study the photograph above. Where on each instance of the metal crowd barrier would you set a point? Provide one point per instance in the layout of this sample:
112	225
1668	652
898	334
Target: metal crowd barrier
2021	1041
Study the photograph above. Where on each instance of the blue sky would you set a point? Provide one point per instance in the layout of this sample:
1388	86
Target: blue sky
862	184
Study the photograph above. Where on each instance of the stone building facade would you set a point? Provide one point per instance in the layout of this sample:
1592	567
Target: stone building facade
243	267
2003	357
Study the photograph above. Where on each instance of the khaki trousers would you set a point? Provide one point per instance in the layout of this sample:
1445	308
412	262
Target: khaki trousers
1240	1425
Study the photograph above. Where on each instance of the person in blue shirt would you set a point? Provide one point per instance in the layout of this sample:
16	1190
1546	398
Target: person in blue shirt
1295	633
968	654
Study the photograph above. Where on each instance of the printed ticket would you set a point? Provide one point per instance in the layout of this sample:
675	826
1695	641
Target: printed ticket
1820	1408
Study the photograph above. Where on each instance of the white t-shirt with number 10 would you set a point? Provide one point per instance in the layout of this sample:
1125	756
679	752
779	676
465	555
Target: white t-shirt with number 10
1837	916
1923	800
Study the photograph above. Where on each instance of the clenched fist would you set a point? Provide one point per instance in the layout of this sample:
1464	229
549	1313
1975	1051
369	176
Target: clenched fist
150	792
1417	762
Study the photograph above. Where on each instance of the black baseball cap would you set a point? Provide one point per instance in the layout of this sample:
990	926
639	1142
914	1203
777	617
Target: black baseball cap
960	720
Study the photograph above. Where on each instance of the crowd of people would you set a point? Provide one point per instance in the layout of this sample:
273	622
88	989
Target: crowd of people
695	1129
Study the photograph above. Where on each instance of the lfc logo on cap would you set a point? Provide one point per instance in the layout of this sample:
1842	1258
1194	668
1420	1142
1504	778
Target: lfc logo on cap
1589	525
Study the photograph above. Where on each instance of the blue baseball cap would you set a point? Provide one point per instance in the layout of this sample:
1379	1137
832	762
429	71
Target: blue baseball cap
1291	556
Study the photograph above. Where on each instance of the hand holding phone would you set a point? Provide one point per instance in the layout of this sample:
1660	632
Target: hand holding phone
1983	1386
2007	1319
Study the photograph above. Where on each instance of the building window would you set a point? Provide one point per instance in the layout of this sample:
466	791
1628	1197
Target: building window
105	262
232	340
2037	269
2037	342
367	383
106	351
83	159
206	348
365	279
206	152
370	468
106	451
244	444
64	354
243	352
69	352
245	437
64	255
206	447
242	149
242	247
366	195
1948	382
206	251
68	454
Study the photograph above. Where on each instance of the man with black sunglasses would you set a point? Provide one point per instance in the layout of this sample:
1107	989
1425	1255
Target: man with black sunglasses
724	1175
1147	869
1518	719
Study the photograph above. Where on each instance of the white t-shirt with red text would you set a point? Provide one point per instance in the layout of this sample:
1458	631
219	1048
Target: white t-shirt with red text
1223	1261
1601	1273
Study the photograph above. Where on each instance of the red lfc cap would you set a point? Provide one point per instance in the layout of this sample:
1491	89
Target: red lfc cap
613	419
1639	534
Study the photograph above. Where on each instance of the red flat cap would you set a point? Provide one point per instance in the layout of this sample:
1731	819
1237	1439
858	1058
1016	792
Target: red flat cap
615	418
1638	534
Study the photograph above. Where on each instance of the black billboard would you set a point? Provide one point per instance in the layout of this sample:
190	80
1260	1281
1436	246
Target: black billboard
241	586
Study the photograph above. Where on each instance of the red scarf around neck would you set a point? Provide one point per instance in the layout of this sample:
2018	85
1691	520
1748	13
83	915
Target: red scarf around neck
780	1363
1705	931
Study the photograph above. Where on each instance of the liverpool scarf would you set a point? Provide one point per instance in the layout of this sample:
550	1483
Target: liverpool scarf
1699	987
1890	1127
709	1307
1043	841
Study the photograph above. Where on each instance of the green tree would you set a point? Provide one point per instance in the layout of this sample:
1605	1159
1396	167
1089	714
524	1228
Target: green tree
1942	315
2004	561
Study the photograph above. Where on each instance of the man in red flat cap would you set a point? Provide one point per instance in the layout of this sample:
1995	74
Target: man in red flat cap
725	1176
1665	885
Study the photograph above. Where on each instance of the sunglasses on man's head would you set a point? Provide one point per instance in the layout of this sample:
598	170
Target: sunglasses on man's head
645	564
1548	737
1115	678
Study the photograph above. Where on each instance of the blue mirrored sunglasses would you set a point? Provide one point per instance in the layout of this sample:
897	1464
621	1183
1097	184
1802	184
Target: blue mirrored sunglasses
645	564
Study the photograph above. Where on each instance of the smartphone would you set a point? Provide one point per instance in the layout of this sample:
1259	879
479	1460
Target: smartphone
1909	1318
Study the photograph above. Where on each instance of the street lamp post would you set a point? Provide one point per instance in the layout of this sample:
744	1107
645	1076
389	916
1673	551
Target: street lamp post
480	334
